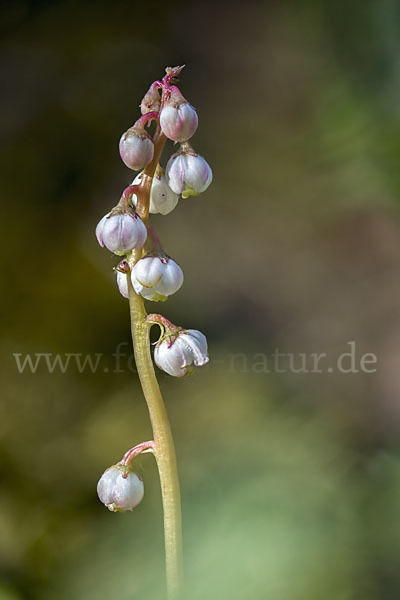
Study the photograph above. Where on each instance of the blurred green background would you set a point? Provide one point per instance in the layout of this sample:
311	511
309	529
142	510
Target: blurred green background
290	481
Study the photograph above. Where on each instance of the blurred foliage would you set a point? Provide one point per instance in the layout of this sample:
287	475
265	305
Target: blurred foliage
290	482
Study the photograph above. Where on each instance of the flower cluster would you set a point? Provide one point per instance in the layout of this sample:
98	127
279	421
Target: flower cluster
186	173
147	271
154	275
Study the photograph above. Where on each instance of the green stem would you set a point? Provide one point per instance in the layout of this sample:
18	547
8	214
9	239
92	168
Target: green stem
164	448
164	445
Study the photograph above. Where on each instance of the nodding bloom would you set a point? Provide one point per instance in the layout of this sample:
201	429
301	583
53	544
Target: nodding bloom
136	148
162	199
121	232
178	118
156	277
177	354
188	173
122	282
120	493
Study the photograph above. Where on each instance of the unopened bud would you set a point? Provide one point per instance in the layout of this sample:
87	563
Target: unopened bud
136	148
151	100
121	232
120	493
178	118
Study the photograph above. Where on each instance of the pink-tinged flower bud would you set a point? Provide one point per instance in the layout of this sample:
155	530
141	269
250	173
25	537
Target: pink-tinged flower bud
136	148
151	100
120	493
121	232
178	118
188	173
177	355
162	199
156	277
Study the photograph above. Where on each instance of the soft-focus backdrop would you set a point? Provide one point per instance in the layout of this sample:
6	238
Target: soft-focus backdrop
290	474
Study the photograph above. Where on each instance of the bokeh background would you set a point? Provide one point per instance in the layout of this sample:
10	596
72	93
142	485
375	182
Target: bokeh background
290	481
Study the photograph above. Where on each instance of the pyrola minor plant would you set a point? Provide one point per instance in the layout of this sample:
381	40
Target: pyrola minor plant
146	272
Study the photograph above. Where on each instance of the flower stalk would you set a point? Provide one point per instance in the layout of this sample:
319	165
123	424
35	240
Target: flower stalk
142	448
164	448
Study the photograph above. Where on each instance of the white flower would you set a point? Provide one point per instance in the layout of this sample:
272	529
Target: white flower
156	277
178	118
188	173
122	282
180	122
121	232
162	199
136	148
119	493
176	356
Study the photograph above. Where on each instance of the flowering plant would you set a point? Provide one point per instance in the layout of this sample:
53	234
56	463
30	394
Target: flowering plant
147	273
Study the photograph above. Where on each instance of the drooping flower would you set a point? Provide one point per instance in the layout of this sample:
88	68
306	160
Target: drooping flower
178	118
120	493
122	272
162	199
156	277
178	354
136	148
121	231
188	173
